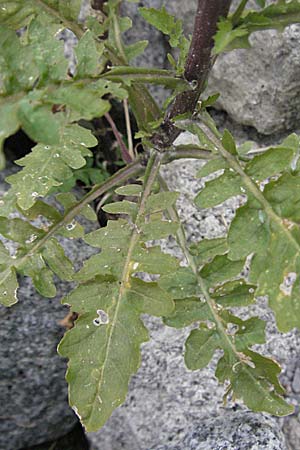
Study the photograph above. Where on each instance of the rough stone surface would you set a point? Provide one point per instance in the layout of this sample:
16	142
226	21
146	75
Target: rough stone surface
243	431
259	87
33	391
170	408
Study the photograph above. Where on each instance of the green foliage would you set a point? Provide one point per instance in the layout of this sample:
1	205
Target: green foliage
275	16
172	27
109	330
39	95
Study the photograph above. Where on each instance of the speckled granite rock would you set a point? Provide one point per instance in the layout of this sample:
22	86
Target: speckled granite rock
244	431
33	391
260	86
170	408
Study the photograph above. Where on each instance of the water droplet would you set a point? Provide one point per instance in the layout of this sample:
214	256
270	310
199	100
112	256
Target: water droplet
135	265
56	155
118	249
34	194
4	293
47	147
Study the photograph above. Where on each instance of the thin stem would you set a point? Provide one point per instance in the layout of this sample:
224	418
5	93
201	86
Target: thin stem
118	39
128	128
124	151
122	175
181	238
193	153
238	12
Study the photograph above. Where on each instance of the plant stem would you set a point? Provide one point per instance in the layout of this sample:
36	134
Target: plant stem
128	129
195	153
198	64
238	12
173	214
124	151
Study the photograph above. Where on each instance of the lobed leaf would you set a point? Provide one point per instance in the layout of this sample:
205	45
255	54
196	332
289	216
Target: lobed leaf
103	347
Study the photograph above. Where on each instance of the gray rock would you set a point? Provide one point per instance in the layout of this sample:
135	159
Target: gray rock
169	407
260	86
240	431
33	391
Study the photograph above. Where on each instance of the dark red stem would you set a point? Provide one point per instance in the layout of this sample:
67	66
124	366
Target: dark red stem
197	67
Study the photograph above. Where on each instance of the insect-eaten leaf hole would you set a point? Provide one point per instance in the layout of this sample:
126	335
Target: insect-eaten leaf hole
102	318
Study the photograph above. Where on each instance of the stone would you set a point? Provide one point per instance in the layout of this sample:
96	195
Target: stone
33	390
260	86
240	431
171	408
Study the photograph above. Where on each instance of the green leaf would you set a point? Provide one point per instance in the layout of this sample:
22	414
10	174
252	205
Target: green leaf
180	284
234	293
38	121
136	49
103	347
149	298
88	56
270	163
48	51
18	68
123	207
17	14
8	287
56	259
200	347
48	166
228	142
249	232
19	231
167	24
134	190
188	311
228	37
35	267
220	189
9	124
221	269
212	166
256	386
207	249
